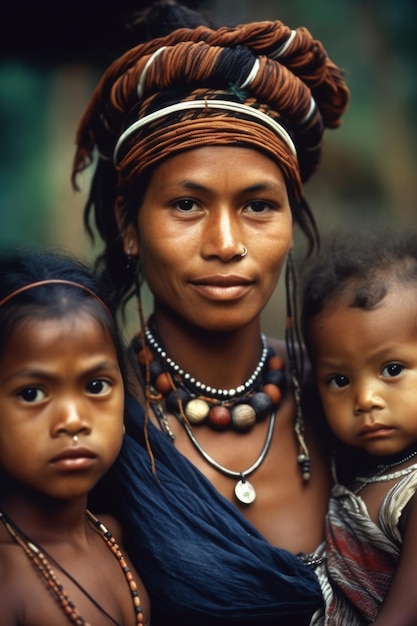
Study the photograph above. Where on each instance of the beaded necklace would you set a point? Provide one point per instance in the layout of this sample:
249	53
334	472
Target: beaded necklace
193	402
41	560
238	408
380	476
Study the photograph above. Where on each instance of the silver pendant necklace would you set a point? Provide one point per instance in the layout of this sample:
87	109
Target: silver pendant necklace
244	490
379	476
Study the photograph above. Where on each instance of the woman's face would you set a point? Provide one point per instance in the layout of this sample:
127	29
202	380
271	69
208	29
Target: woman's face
201	210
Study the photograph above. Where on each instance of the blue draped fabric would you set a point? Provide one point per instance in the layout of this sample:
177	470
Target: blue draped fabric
200	559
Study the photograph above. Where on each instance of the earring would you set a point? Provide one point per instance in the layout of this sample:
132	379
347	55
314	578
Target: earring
295	359
245	251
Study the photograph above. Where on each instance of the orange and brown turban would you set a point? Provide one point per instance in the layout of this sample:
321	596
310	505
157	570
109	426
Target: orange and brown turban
260	85
283	75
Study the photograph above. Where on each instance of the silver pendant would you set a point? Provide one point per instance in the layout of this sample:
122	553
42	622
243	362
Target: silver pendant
245	492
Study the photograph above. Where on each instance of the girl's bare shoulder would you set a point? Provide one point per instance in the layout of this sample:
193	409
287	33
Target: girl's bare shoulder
16	575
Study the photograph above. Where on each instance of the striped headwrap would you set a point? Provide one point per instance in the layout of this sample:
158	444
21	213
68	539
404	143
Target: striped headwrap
280	89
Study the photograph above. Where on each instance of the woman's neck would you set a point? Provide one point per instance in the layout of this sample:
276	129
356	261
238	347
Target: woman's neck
219	359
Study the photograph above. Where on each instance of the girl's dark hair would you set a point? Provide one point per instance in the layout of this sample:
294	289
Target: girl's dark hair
361	267
53	300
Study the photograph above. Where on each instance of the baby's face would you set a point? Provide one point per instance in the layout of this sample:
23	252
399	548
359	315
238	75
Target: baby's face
365	363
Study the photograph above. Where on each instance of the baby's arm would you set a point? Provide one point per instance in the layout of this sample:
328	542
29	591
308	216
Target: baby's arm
400	605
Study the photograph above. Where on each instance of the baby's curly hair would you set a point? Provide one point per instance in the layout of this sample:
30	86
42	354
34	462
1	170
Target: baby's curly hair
358	267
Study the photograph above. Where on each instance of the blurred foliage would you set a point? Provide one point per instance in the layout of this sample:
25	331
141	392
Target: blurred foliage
52	54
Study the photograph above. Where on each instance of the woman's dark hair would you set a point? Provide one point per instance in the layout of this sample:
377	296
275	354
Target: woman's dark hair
180	56
21	268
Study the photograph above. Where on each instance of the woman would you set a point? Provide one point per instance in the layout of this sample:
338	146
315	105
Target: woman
205	138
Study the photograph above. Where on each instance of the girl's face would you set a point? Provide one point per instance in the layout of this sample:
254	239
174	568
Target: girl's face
201	209
366	370
60	379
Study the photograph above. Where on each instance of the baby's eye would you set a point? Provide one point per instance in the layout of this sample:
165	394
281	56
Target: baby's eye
338	381
98	386
31	394
392	369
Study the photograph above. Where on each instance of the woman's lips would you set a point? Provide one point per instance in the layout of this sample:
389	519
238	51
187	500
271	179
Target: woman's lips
222	287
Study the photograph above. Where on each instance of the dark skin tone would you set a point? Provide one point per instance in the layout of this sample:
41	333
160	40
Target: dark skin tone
59	380
200	209
82	552
367	378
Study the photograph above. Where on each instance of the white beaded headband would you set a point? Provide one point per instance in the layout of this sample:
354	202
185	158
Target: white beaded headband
225	105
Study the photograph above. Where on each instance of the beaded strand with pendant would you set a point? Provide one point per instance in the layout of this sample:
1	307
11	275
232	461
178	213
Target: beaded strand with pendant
220	409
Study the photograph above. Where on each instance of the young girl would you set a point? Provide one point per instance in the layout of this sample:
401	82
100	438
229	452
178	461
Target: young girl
359	321
61	428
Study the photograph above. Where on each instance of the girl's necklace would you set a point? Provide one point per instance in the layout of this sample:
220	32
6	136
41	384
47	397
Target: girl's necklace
41	560
379	476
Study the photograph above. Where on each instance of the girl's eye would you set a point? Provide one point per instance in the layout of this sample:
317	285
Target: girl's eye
392	369
338	381
98	386
31	394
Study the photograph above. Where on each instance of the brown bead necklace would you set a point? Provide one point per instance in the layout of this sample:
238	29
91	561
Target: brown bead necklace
194	403
41	560
238	408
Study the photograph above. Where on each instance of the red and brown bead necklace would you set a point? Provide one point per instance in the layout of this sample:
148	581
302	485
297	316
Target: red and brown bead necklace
41	560
238	408
193	402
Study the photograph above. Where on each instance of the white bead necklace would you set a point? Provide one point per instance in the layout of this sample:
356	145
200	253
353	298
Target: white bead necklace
226	394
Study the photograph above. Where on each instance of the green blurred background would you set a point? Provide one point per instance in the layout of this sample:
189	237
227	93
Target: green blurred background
52	53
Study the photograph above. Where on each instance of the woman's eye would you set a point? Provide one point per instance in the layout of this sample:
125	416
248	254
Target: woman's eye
98	386
186	204
258	206
392	369
338	381
31	394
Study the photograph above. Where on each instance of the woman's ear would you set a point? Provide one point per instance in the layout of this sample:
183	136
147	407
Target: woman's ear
127	231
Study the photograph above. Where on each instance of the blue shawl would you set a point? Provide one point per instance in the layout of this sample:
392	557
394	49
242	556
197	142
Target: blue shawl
201	561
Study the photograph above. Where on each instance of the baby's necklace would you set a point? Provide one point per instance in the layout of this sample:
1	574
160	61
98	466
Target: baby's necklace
41	561
379	476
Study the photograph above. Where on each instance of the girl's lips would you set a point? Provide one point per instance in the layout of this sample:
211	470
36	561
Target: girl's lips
74	458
